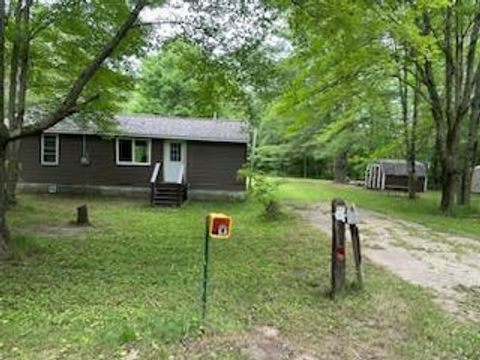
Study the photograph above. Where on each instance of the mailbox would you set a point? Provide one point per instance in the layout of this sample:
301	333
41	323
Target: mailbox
220	226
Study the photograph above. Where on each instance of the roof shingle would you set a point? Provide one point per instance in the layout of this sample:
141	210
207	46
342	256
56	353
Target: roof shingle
153	126
399	167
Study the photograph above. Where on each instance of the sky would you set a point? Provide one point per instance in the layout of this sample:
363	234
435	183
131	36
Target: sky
168	18
165	18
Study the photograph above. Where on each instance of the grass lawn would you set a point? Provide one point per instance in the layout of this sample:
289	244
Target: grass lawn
424	210
133	281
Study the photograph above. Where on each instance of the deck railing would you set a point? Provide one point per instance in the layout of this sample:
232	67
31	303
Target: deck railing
155	172
154	179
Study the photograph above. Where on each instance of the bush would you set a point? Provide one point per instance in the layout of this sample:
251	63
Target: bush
264	190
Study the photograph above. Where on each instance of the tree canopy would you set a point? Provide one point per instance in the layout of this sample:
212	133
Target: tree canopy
183	80
378	79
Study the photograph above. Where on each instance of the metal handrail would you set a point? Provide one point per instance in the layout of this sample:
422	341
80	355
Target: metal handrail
180	174
156	170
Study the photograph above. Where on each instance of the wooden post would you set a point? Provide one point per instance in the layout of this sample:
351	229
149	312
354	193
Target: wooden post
82	215
352	219
338	246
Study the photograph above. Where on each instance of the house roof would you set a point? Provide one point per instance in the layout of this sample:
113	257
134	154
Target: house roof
399	167
153	126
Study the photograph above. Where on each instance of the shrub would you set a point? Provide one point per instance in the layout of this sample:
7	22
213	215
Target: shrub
264	190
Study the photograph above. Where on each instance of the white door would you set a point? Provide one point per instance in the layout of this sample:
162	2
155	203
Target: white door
174	160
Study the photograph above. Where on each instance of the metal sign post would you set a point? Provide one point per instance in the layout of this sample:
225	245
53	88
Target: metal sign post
217	226
205	266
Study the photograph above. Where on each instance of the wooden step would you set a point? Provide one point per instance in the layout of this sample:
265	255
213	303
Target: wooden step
169	194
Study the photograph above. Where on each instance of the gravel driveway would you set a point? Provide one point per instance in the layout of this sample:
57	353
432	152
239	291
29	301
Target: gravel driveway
448	264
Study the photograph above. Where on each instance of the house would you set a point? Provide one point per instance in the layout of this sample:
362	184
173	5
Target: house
168	159
476	180
389	174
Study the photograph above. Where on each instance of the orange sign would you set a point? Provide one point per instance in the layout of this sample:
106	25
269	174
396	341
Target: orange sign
220	226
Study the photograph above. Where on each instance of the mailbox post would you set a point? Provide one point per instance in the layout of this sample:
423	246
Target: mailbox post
341	216
352	220
217	226
338	245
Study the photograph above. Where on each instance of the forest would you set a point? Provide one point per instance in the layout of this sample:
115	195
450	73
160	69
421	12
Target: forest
331	86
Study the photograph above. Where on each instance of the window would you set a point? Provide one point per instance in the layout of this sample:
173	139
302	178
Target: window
133	152
175	151
49	149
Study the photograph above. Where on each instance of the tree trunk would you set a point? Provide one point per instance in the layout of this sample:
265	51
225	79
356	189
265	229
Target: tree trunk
341	162
305	164
13	123
412	142
448	190
412	178
4	233
470	156
13	169
449	172
18	114
409	121
82	216
436	179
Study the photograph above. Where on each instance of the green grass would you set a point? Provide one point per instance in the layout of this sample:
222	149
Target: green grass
424	210
134	281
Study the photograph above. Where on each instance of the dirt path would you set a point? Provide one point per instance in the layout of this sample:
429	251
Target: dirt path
448	264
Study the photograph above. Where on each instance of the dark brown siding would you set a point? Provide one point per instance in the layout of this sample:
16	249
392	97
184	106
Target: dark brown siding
214	166
102	170
210	165
401	183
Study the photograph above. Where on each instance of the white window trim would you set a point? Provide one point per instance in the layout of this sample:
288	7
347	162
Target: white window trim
57	151
133	162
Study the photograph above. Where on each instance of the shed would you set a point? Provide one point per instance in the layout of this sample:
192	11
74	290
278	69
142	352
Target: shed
389	174
476	180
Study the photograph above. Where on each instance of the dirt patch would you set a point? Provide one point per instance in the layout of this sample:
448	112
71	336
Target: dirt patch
262	343
417	254
65	230
268	343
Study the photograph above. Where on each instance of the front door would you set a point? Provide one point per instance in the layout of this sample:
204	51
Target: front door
174	160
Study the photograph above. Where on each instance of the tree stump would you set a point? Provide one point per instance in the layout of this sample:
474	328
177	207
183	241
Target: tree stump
82	216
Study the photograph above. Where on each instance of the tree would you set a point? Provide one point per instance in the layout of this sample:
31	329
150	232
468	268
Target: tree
50	44
459	23
409	117
443	39
471	149
340	90
184	80
78	96
341	44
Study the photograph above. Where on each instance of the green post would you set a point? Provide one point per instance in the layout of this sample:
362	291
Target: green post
205	268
